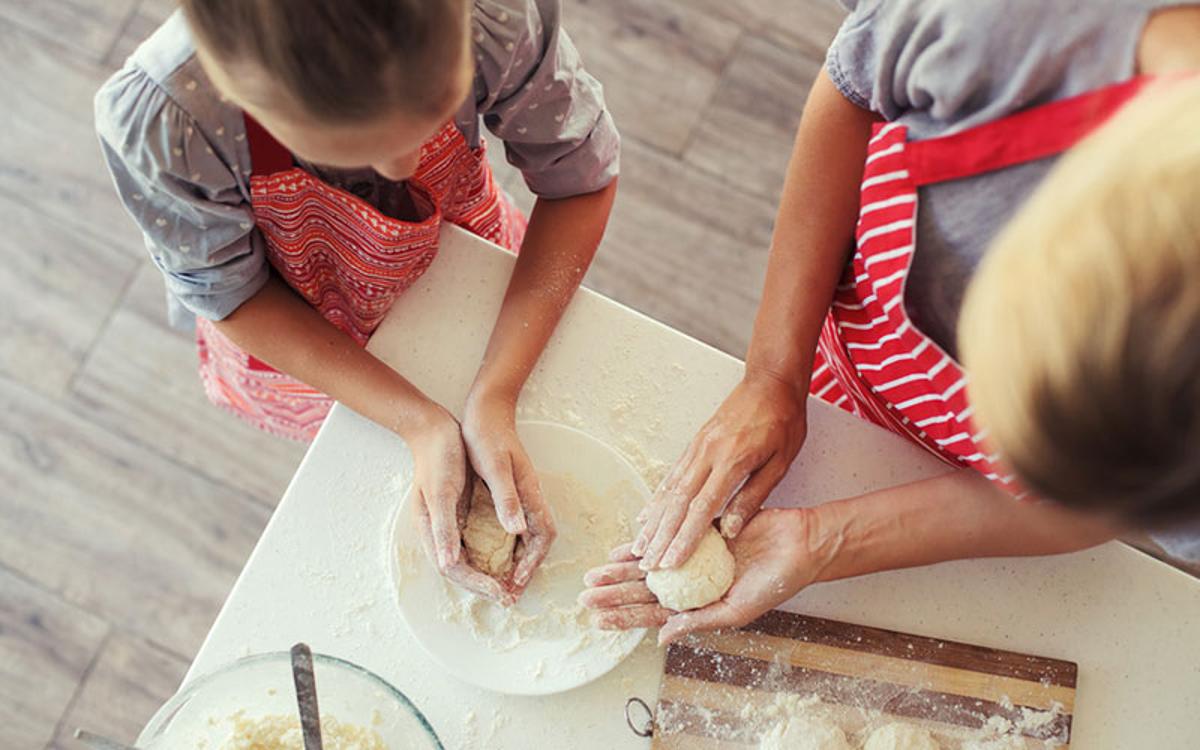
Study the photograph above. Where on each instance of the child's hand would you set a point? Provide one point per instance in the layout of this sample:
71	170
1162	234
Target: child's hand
739	456
773	563
490	433
440	478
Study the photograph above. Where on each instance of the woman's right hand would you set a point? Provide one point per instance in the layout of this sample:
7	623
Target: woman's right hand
738	457
440	477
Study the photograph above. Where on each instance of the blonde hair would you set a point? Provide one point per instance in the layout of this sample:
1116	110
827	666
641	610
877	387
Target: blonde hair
1081	330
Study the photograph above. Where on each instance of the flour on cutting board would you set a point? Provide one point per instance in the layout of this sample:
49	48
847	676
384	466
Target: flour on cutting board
769	717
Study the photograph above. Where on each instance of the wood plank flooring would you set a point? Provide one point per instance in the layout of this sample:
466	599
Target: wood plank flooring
129	505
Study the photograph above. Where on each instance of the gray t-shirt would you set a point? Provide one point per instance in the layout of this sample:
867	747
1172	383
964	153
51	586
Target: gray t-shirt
179	157
943	66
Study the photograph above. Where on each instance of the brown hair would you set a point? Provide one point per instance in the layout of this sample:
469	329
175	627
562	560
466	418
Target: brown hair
340	60
1081	331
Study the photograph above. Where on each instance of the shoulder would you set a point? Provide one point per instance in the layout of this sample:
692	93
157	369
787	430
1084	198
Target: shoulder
941	64
510	38
161	97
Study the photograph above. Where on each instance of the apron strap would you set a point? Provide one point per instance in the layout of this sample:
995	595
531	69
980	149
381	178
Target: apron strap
1023	137
267	155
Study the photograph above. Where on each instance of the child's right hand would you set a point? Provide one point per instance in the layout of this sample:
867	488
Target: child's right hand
440	472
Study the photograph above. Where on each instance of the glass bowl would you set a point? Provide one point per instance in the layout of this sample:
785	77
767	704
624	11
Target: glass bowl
201	715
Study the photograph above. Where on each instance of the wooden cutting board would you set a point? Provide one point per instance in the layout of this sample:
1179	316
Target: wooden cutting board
726	690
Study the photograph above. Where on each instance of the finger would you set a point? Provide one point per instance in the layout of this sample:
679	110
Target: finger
717	615
634	616
649	526
427	543
751	496
537	541
617	595
497	473
624	553
670	485
443	518
479	583
718	489
610	573
442	540
680	469
673	519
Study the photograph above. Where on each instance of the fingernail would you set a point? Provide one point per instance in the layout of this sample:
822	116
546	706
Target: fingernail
731	525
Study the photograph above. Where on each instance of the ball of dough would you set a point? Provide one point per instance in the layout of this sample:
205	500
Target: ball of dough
900	736
804	733
489	547
703	579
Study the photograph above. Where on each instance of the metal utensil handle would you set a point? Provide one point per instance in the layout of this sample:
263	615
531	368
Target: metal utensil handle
97	742
647	727
306	695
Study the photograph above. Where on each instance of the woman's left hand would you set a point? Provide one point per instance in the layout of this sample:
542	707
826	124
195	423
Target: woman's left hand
490	433
773	563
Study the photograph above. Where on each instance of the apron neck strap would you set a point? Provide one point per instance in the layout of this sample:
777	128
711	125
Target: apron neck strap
1026	136
267	155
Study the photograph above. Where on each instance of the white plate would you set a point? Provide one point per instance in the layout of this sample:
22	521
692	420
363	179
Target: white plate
553	651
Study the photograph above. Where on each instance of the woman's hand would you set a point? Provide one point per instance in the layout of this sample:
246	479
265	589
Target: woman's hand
490	433
775	558
440	472
737	458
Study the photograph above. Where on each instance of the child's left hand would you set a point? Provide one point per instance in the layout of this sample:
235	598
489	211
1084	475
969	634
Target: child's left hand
490	433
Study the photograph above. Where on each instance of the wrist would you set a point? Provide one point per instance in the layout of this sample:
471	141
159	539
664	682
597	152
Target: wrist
829	541
793	378
493	391
421	416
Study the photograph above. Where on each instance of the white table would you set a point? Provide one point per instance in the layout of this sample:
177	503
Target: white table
320	571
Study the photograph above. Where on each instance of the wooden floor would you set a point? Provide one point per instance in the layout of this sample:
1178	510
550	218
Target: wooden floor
128	505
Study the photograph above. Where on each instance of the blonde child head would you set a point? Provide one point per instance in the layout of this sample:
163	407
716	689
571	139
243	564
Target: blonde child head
1081	331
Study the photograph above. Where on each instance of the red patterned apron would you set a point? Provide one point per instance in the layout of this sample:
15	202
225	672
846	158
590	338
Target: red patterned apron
871	360
346	259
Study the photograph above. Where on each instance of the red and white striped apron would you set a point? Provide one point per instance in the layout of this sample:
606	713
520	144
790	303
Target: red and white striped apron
346	259
871	359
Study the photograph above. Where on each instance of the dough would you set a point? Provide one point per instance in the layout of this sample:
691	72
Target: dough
804	733
900	736
703	579
489	547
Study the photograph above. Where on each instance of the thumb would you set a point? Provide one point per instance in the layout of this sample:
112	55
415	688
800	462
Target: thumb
497	474
750	498
717	615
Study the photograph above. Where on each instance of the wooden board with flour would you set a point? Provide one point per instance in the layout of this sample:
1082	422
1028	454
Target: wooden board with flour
741	689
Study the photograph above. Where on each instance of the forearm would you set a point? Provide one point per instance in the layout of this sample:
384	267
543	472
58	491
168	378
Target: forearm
279	328
560	242
956	516
813	231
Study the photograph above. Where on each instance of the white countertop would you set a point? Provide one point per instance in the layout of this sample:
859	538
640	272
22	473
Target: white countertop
320	571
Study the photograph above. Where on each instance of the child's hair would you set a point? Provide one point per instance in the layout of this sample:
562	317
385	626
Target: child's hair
340	60
1081	331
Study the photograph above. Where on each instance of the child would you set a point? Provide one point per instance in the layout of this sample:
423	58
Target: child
1082	332
291	162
